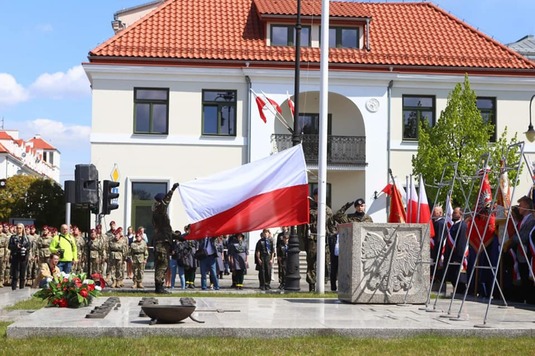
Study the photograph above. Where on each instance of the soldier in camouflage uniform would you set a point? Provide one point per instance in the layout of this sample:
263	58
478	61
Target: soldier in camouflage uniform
33	260
43	246
116	257
139	254
96	252
163	237
4	256
80	249
311	240
358	216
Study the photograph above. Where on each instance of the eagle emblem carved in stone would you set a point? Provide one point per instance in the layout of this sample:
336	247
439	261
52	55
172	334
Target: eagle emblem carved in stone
389	260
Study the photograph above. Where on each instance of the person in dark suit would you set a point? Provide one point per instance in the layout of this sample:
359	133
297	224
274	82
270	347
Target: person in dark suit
441	233
520	244
458	232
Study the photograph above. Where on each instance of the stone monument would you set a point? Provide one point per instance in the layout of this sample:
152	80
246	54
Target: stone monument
383	263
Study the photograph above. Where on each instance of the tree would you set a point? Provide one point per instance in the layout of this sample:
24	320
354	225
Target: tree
459	136
13	194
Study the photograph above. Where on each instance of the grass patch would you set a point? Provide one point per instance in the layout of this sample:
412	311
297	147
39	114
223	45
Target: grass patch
324	345
32	303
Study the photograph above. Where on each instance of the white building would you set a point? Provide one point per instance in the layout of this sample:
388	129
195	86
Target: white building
34	157
172	99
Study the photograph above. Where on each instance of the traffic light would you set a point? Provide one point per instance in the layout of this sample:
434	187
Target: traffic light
108	195
86	184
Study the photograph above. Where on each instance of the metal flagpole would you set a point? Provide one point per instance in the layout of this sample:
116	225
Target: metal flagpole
322	159
293	276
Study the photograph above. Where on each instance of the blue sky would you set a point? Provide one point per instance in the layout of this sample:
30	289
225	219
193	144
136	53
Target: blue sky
44	90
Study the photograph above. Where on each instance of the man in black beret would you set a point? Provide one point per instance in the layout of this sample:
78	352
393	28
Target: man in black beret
358	216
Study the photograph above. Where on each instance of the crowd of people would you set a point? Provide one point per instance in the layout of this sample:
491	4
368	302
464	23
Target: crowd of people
27	255
455	257
24	253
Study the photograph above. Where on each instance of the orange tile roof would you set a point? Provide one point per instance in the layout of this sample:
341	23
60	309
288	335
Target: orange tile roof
3	149
409	36
40	144
5	136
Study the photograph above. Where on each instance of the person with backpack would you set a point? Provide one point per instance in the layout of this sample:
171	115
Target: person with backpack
179	253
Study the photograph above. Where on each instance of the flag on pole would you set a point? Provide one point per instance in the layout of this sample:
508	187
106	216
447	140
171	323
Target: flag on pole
412	203
397	212
270	192
504	188
449	223
425	212
275	107
484	221
291	105
261	106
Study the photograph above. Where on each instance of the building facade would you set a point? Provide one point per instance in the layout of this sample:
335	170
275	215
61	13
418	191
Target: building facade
173	92
35	157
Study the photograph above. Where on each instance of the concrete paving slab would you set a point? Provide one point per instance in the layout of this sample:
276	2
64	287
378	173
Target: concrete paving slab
275	318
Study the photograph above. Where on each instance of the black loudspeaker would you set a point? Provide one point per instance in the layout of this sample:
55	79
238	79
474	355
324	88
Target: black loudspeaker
86	184
69	191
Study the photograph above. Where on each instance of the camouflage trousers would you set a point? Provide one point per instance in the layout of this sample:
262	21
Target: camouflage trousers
138	271
95	266
116	269
3	275
312	256
161	262
311	250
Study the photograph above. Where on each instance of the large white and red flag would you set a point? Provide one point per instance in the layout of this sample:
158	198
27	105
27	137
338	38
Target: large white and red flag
270	192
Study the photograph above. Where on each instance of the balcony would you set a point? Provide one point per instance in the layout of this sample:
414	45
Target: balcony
341	150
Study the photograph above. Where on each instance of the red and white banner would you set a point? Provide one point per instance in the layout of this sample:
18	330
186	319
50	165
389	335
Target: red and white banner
397	212
270	192
425	212
412	203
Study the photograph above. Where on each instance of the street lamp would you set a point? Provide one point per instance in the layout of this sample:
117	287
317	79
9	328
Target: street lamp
530	133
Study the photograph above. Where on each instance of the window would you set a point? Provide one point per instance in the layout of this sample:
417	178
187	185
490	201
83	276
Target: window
308	124
151	111
343	37
416	109
487	107
141	207
284	35
219	112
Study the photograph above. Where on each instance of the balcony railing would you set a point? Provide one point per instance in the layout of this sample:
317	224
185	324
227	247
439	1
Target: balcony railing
341	150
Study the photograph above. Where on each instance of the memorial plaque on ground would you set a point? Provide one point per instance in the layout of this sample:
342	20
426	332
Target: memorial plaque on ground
383	263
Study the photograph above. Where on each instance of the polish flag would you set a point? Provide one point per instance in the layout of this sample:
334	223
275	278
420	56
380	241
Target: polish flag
449	223
397	212
412	204
425	212
291	105
261	105
270	192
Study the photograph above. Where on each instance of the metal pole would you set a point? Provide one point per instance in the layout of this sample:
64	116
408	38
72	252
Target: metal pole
293	275
322	149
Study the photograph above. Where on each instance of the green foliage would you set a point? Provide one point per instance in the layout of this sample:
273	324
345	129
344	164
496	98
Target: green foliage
459	136
32	198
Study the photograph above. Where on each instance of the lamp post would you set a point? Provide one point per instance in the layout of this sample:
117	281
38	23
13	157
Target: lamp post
530	133
293	275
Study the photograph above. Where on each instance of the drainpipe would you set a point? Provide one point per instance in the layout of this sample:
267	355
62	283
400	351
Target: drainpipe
248	110
389	119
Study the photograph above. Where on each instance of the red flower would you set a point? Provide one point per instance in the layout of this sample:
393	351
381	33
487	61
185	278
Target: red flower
91	287
62	303
77	282
84	293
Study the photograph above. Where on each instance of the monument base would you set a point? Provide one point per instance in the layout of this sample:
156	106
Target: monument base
383	263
